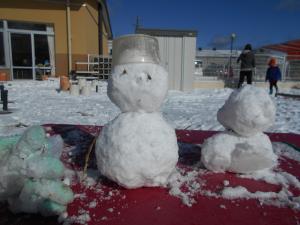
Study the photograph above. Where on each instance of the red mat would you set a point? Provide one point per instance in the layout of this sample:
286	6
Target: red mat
107	203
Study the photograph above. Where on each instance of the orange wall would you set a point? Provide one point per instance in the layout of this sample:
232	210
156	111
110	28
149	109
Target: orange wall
84	26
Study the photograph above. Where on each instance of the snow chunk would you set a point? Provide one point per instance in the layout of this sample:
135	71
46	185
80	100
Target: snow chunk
137	149
228	151
248	111
138	87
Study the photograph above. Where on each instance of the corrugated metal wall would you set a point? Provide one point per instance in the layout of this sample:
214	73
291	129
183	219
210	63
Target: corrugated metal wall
177	56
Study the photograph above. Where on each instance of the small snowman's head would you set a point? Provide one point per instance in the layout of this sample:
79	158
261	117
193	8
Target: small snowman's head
248	111
138	81
138	87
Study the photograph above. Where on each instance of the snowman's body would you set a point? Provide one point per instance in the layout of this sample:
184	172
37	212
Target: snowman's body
138	148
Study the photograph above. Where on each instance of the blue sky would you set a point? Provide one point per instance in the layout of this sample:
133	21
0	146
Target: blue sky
258	22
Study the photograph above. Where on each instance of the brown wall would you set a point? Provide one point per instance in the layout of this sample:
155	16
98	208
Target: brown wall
84	27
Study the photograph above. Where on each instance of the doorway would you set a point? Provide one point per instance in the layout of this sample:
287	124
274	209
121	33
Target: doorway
21	52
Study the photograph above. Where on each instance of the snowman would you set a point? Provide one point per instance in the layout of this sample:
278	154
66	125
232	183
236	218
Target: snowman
138	148
243	148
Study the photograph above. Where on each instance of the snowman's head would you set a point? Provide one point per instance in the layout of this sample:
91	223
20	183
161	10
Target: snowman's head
138	86
247	111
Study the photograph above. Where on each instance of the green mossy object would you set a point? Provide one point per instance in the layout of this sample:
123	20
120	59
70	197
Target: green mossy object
44	167
50	208
54	190
6	145
32	140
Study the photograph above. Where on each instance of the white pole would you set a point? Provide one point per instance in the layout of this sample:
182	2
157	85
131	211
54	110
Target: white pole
69	36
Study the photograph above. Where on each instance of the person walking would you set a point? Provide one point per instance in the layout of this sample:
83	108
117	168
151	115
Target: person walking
247	59
273	74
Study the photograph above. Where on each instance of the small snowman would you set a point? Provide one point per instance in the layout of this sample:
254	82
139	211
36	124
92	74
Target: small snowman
243	148
138	148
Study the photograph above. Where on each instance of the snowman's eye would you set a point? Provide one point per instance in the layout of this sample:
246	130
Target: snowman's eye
148	76
124	72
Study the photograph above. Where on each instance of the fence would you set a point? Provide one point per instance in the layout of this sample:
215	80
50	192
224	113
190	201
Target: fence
96	66
218	67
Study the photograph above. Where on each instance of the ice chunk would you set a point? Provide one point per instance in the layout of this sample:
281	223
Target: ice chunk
37	166
138	87
55	146
248	111
46	196
228	151
137	149
6	145
32	140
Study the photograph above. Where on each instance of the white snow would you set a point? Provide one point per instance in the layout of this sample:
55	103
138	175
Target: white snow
137	149
138	87
38	102
248	110
227	151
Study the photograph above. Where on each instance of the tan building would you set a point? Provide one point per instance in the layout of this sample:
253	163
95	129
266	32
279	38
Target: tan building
50	36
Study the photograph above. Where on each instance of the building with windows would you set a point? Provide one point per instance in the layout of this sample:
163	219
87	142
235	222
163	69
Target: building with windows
49	36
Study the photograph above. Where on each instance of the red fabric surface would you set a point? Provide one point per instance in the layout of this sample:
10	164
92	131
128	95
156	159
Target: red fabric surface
155	206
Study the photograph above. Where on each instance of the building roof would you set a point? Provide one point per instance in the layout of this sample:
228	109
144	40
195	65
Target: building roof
166	32
291	48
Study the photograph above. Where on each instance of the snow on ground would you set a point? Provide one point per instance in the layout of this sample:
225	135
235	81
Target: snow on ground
38	102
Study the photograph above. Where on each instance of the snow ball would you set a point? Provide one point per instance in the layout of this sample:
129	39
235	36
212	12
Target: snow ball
248	111
228	151
138	87
137	149
226	182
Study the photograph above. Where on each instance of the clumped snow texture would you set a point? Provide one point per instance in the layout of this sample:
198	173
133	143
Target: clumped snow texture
138	87
186	185
31	173
248	110
38	102
137	149
228	151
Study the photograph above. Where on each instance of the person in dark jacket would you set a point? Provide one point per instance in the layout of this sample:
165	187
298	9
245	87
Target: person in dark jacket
247	65
273	75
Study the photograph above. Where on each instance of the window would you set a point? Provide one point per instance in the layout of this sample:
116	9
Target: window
26	26
1	24
2	56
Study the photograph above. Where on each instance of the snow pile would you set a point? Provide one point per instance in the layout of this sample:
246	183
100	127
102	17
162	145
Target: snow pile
248	112
31	173
138	148
282	198
138	87
187	185
180	180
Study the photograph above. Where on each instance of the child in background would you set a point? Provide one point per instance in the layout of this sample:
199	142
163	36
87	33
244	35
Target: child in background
273	75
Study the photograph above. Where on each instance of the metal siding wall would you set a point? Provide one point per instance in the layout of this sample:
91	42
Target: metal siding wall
188	62
177	56
177	60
